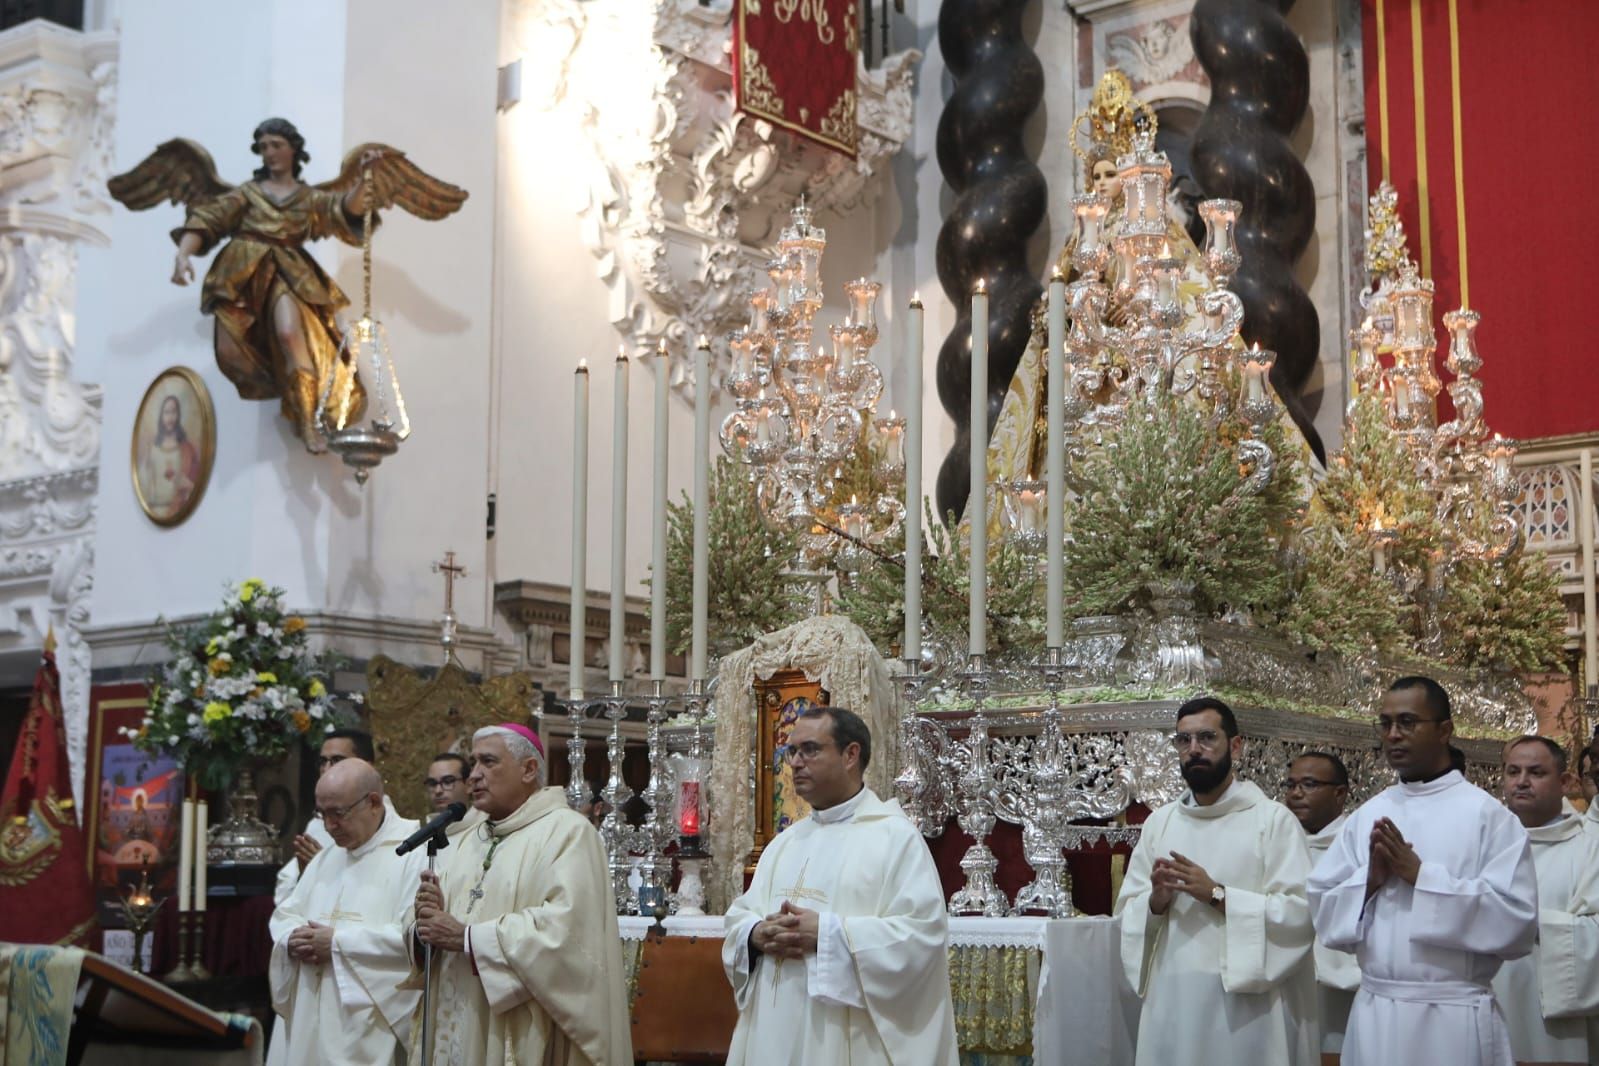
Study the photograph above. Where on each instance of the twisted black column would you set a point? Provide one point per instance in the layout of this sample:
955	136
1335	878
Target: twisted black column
999	203
1259	90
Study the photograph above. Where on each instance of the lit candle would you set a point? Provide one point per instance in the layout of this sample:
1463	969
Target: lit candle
702	506
202	835
913	486
1055	468
977	500
1254	386
186	855
688	808
1401	400
663	372
580	521
619	418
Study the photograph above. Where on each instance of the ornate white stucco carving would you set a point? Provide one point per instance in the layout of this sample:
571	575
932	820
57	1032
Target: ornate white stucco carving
57	115
686	194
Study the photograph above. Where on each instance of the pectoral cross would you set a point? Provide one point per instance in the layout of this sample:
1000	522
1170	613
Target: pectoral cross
473	896
447	629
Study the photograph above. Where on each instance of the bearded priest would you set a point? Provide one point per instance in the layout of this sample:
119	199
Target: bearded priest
527	959
839	951
1216	932
338	940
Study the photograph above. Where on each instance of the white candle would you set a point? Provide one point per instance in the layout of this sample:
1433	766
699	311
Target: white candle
913	487
977	500
202	822
663	374
619	522
1055	468
1590	601
577	617
186	855
702	507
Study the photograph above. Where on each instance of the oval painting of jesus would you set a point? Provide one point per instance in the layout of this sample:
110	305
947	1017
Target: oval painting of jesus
174	446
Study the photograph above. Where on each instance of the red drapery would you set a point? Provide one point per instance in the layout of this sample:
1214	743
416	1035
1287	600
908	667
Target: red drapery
1478	112
794	66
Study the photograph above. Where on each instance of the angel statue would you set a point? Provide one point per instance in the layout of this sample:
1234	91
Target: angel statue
276	333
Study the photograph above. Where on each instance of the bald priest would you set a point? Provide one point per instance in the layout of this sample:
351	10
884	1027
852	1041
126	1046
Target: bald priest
526	953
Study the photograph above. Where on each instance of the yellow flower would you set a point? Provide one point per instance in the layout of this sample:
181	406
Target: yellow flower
292	625
318	689
248	590
216	712
211	646
267	677
219	666
301	720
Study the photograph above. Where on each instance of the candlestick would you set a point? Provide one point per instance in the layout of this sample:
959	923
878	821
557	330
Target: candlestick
619	521
663	373
186	855
977	499
702	506
1055	472
913	488
578	616
202	837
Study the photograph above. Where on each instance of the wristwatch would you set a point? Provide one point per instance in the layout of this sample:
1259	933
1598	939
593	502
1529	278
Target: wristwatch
1218	896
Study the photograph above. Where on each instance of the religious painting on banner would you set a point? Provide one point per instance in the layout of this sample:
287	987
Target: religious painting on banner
134	800
794	65
781	699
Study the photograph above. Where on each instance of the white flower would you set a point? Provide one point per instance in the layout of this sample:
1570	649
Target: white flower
194	719
263	629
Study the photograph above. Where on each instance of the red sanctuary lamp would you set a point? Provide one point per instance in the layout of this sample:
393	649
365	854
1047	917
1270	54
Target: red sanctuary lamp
690	817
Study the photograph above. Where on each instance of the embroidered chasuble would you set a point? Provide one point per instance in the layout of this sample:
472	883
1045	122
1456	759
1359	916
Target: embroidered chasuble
352	1009
1550	998
1428	952
542	982
876	991
1337	972
1241	984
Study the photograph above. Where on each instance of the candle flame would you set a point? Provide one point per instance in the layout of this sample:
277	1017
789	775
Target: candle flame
981	288
916	298
583	366
660	347
890	412
621	353
704	341
852	499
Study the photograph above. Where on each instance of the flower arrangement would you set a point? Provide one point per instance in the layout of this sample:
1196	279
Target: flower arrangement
241	685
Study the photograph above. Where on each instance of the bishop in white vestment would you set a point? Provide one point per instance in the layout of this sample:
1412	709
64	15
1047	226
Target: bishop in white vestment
527	956
1551	997
1216	931
839	951
1431	884
1316	791
338	949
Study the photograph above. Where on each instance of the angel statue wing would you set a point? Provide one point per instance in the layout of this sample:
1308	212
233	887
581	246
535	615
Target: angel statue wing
397	181
179	171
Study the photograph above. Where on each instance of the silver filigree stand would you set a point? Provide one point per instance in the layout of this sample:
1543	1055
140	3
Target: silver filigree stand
618	835
577	788
1044	808
979	895
655	872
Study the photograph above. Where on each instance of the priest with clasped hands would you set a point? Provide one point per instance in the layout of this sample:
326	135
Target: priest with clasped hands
1431	883
1216	932
527	957
839	951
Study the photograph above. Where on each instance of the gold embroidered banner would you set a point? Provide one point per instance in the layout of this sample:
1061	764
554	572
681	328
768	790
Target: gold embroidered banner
794	66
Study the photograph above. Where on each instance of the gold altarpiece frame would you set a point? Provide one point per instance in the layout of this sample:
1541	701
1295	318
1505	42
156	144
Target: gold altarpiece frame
779	700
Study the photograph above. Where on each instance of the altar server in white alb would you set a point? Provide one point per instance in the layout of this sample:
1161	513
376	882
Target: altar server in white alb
1551	997
338	948
839	951
1431	883
1215	927
1316	790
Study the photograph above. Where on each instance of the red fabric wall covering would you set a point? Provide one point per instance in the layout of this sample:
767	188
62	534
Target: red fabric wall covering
1500	213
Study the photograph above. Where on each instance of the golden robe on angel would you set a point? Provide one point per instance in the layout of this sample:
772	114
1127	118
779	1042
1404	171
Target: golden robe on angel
277	334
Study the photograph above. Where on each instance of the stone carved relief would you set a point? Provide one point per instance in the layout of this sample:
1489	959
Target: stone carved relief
685	194
1154	53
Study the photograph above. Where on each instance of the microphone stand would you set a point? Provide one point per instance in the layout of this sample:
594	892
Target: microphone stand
438	840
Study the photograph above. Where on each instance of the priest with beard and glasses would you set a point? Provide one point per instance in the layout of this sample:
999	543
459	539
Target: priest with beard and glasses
1431	883
1216	932
1316	791
1551	997
527	957
338	940
839	951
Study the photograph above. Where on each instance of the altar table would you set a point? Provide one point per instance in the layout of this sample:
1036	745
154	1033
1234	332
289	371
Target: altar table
1025	989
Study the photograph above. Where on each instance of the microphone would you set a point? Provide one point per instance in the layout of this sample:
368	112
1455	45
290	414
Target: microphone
448	816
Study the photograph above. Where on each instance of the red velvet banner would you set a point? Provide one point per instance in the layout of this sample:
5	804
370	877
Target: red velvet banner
1477	112
794	66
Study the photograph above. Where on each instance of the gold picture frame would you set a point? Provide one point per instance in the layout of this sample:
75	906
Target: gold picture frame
778	700
170	469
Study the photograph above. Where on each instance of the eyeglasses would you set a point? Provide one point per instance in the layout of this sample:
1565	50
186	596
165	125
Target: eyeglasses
1404	724
326	761
804	752
338	813
1304	784
1205	738
447	781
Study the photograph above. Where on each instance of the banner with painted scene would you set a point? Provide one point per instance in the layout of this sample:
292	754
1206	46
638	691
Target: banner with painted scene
794	65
